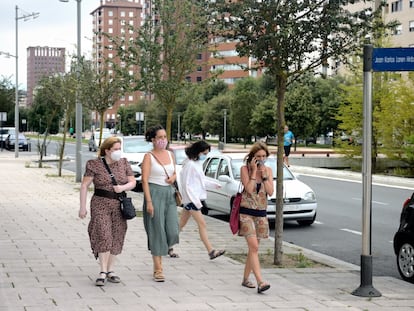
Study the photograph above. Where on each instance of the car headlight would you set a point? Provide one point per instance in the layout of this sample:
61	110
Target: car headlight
309	196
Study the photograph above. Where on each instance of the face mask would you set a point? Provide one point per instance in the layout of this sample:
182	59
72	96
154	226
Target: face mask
202	157
162	143
116	155
261	162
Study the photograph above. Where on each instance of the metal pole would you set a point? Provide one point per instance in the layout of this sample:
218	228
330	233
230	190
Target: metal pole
179	130
366	289
78	104
225	125
16	107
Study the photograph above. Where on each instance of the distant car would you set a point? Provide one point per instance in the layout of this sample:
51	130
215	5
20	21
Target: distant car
134	149
299	199
404	241
93	143
4	132
11	139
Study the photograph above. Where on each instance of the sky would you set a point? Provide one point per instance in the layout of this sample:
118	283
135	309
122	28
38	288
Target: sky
56	26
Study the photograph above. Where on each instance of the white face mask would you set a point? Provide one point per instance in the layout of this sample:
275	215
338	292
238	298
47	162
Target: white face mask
116	155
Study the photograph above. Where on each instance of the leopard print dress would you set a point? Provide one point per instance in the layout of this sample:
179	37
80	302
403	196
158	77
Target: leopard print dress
107	227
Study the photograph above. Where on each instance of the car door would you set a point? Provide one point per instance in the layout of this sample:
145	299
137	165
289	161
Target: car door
218	199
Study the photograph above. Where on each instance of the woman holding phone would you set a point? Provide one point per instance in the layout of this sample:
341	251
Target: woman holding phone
257	179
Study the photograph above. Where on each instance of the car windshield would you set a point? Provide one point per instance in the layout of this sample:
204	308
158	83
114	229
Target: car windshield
236	164
136	146
180	156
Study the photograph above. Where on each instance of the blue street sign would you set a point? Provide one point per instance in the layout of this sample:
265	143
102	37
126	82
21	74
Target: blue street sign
393	59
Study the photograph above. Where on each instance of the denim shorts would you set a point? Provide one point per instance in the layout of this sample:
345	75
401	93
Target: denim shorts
191	206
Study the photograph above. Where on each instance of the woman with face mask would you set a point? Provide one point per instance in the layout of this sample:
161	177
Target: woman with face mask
160	209
107	227
193	190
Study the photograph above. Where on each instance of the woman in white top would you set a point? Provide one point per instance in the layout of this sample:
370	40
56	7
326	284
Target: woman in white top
160	210
194	192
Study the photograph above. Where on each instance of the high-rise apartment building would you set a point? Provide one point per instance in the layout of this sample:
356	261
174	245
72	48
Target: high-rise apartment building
42	61
114	18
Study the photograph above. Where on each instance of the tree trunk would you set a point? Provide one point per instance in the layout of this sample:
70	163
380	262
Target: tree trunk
280	91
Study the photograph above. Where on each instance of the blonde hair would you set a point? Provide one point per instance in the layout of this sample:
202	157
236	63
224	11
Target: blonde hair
107	144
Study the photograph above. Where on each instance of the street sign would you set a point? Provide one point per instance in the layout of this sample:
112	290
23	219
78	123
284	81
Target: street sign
393	59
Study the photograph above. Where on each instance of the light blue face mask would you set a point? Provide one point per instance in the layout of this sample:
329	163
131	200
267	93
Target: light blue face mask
202	157
261	162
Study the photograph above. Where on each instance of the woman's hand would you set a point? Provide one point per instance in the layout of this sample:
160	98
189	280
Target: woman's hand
82	212
118	188
150	209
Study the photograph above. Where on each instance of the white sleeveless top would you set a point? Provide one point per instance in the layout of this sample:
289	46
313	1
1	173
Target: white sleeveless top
157	173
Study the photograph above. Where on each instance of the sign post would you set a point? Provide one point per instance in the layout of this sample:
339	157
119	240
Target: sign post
380	59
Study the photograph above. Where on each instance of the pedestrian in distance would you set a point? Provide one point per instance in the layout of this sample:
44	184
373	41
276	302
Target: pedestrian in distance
107	227
288	138
193	190
257	179
160	209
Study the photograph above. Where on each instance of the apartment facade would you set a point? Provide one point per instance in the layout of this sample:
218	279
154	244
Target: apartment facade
42	61
114	17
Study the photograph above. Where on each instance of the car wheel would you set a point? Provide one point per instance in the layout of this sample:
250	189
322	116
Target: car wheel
405	261
307	222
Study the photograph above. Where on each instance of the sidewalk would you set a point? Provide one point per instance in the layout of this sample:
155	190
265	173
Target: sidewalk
46	262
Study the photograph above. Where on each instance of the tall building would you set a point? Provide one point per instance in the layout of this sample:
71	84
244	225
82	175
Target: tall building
114	17
42	61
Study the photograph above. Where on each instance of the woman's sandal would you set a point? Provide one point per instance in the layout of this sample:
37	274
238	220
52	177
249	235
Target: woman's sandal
158	276
262	286
216	253
248	284
101	281
112	277
172	254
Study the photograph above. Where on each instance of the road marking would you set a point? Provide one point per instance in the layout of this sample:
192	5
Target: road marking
318	222
352	231
376	202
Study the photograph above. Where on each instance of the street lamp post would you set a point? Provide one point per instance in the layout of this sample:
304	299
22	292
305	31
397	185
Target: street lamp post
78	118
25	17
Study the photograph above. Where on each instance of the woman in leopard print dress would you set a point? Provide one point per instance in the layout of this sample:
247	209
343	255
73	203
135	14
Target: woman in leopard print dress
107	227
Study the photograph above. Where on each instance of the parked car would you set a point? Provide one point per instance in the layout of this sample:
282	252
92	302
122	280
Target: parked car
404	241
4	132
11	139
94	140
299	199
133	149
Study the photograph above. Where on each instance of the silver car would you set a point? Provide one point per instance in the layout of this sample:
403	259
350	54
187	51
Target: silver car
299	199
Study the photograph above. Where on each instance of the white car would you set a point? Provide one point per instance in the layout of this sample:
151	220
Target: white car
93	143
134	149
299	199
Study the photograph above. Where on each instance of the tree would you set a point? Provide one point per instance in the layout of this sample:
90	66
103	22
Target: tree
290	38
165	50
245	100
99	89
7	101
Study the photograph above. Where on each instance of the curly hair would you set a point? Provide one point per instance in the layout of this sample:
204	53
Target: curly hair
152	132
196	148
255	148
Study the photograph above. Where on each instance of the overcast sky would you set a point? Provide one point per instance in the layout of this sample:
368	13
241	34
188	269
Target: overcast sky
56	26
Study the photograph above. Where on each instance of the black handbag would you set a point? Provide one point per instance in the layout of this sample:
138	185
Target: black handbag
127	207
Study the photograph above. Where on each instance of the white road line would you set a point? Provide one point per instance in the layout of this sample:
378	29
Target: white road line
318	222
352	231
376	202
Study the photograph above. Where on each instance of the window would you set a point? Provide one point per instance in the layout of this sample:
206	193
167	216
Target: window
199	56
411	26
110	13
199	79
396	6
411	3
398	30
199	68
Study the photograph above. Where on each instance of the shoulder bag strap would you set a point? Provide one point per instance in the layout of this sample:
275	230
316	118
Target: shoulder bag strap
109	171
160	164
